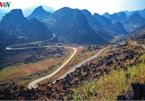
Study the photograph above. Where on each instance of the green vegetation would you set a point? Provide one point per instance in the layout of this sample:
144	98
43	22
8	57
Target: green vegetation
9	71
108	86
39	45
126	42
77	96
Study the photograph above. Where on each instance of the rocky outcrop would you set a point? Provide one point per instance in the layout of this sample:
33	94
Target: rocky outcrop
135	92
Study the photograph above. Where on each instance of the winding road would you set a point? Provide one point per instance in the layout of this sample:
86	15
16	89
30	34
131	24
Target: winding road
12	47
80	64
34	83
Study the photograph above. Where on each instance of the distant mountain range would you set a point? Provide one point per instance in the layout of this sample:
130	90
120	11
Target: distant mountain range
27	11
22	30
133	22
141	12
116	16
59	21
115	29
96	26
72	26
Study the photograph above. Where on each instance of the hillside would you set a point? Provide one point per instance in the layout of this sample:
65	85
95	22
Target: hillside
139	35
115	29
71	26
111	59
133	22
4	39
96	25
23	30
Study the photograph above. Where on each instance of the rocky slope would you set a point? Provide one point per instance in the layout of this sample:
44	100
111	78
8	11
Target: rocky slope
137	35
133	22
115	29
96	25
23	30
115	59
71	26
135	92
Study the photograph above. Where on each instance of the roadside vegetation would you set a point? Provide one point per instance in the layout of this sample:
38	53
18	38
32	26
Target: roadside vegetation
108	86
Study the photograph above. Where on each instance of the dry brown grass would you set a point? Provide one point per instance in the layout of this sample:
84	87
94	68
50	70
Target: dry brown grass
108	86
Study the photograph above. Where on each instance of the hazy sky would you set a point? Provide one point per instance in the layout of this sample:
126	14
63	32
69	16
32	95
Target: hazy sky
98	6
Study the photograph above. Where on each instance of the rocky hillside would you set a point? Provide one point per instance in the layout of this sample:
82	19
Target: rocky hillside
133	22
115	29
137	35
4	39
96	26
71	26
112	59
23	30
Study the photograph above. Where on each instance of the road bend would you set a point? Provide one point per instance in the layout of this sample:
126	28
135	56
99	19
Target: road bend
34	83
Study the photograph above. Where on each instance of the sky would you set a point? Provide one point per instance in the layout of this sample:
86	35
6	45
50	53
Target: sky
94	6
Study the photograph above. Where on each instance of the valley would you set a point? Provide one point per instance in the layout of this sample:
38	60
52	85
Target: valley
72	54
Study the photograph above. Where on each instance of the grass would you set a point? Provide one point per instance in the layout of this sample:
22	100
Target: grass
108	86
8	71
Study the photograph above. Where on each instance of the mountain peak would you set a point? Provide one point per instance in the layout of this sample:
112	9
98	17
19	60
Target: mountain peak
39	13
86	11
14	15
136	15
39	10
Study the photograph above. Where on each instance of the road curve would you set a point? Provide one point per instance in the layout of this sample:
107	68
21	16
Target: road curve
34	83
12	47
80	64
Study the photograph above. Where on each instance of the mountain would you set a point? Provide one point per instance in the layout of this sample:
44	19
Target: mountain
102	19
29	10
3	11
39	13
71	26
141	12
5	39
23	30
96	25
121	16
139	34
129	13
133	22
115	29
116	16
107	15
